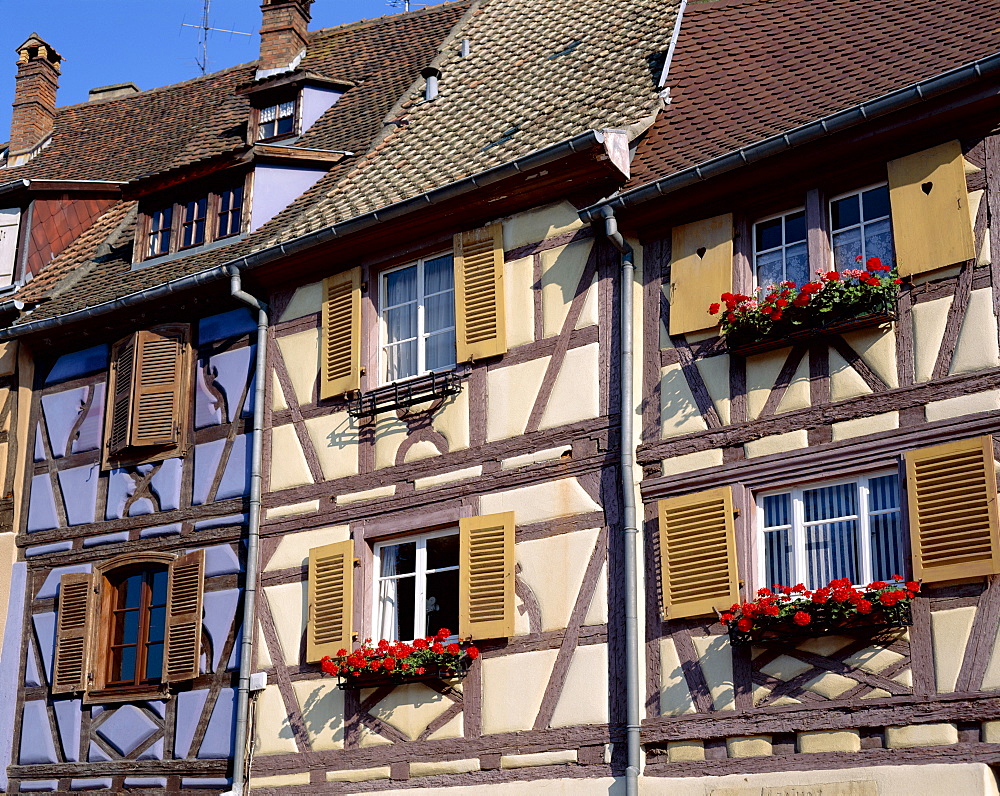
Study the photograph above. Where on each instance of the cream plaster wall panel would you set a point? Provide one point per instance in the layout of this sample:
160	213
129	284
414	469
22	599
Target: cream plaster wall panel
685	751
877	347
410	708
558	786
272	731
716	659
300	351
583	699
288	463
797	394
293	549
675	696
904	678
288	607
562	268
983	255
589	313
877	693
455	728
679	414
368	738
535	457
830	685
452	421
335	439
278	402
512	393
950	632
576	393
777	443
785	667
561	757
321	705
8	555
987	401
553	568
977	347
863	426
306	300
597	612
433	767
8	358
358	774
522	624
830	741
539	502
525	674
991	731
665	341
762	372
699	460
518	302
263	654
873	659
448	478
367	494
308	507
422	449
390	432
540	224
991	678
280	780
750	746
824	645
715	374
912	735
845	381
929	319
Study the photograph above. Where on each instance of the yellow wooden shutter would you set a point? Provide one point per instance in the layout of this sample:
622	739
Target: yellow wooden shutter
182	650
119	411
69	671
952	498
698	553
160	379
331	600
486	576
340	367
931	225
701	270
479	294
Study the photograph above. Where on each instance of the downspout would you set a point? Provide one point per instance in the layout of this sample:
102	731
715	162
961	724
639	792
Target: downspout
630	528
240	756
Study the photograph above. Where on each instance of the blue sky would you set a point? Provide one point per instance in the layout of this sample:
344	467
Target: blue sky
142	41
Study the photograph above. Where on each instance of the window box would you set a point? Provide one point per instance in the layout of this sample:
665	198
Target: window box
874	624
379	679
748	345
401	394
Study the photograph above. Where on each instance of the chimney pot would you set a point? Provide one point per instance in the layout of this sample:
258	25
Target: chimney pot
38	67
112	92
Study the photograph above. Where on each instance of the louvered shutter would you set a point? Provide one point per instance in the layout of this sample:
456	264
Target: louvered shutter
952	499
331	600
69	671
340	367
701	270
160	377
479	294
698	553
486	576
929	200
182	650
119	419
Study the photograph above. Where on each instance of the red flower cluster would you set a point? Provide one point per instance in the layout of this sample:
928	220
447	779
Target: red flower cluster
416	658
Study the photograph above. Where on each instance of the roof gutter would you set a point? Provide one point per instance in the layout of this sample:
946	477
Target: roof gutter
537	159
803	134
26	184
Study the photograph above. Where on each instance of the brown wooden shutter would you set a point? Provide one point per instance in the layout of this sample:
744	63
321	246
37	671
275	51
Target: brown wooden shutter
931	224
486	576
481	329
119	413
161	370
69	671
698	553
331	600
182	650
340	367
952	499
701	270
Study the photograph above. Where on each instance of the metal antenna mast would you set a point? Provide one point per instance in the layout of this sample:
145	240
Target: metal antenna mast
205	27
404	4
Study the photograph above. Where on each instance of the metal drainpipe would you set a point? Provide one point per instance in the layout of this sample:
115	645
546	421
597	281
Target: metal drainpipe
630	528
240	774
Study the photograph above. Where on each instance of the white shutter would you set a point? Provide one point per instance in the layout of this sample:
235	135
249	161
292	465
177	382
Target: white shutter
10	220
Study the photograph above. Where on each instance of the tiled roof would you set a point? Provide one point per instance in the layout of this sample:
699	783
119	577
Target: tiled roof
745	70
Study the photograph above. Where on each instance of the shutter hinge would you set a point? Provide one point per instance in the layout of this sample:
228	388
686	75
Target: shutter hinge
736	512
357	562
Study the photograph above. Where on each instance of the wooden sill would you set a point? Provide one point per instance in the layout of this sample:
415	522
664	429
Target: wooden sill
837	328
126	694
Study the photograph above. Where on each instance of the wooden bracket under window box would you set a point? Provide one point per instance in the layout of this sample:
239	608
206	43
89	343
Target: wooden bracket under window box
874	625
838	327
379	679
402	394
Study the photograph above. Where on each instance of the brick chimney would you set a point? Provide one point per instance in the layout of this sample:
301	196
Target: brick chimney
34	94
283	32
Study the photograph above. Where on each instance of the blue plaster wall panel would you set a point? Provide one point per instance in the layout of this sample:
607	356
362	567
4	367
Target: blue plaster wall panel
221	559
218	522
9	662
127	728
189	705
79	363
92	783
234	656
207	405
108	538
145	782
155	752
120	489
220	733
236	477
32	678
61	410
160	530
68	716
315	102
189	783
50	587
220	610
159	707
37	745
79	489
39	785
45	632
88	436
206	462
276	187
166	484
42	549
97	754
41	505
39	446
228	324
233	368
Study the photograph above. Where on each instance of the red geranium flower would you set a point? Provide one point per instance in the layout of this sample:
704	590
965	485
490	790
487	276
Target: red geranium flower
801	618
442	634
472	652
913	586
745	625
453	649
876	584
714	308
833	276
864	607
727	618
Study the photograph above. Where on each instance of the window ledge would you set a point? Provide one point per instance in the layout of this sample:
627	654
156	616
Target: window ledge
126	694
160	259
401	394
744	347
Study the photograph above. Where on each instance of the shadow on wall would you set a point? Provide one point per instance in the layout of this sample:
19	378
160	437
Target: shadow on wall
676	402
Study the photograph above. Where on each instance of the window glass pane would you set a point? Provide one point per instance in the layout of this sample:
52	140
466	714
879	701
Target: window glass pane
401	361
439	312
878	241
269	114
396	602
883	492
831	552
157	623
439	275
778	558
286	108
401	323
442	551
442	601
285	125
130	592
876	202
158	587
126	627
777	510
846	249
123	664
845	212
400	286
768	234
769	268
797	264
398	559
830	502
888	557
795	227
440	350
154	661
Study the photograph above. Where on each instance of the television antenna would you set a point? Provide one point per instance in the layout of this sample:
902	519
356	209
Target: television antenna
403	4
205	27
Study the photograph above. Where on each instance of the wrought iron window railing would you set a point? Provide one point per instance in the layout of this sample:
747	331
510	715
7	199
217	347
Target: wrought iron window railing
400	395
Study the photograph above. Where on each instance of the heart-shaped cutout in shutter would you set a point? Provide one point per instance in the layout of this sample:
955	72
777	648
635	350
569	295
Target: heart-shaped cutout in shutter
927	187
701	253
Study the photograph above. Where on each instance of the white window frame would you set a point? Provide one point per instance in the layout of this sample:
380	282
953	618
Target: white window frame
799	560
784	244
277	117
862	223
421	336
420	574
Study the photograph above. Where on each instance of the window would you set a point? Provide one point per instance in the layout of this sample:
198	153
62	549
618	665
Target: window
137	623
416	586
418	318
10	222
780	251
193	228
159	231
848	529
276	120
230	212
859	225
192	221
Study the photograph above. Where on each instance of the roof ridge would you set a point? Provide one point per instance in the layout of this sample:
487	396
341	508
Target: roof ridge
386	18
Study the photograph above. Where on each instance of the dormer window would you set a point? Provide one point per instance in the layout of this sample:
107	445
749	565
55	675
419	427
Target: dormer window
276	121
193	229
159	231
230	212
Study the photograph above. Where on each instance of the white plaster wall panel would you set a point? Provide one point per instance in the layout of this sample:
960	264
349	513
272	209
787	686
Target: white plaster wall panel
987	401
589	312
679	414
863	426
977	347
716	659
512	393
540	224
777	443
559	757
845	381
306	507
575	395
288	463
540	502
410	708
912	735
306	300
293	549
584	695
272	731
762	372
929	319
335	440
522	624
278	402
675	696
597	612
300	352
688	462
288	607
448	478
715	373
452	421
367	494
280	780
950	632
553	568
877	347
321	705
455	728
562	268
525	674
519	302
